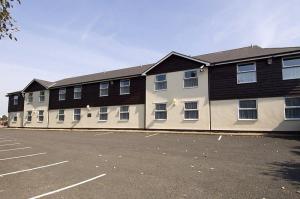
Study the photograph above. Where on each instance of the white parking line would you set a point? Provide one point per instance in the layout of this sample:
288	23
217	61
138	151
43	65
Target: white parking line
68	187
9	144
23	156
15	149
151	135
104	133
25	170
7	140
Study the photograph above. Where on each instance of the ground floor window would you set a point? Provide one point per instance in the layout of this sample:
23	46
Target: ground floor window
160	111
41	116
103	114
76	115
247	110
61	115
29	116
191	110
292	108
15	117
124	112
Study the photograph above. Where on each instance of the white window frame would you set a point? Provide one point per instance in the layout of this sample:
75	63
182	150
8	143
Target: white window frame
59	114
184	109
77	87
16	100
30	97
155	111
28	116
256	108
155	81
287	107
249	71
197	77
38	116
106	88
124	87
124	112
76	114
40	96
101	113
285	67
62	92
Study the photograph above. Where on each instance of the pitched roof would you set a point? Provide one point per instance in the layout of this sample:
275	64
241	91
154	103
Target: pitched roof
44	83
243	53
126	72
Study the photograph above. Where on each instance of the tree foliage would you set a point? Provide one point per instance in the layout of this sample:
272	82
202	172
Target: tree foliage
7	22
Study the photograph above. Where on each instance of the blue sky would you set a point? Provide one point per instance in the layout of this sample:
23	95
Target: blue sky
75	37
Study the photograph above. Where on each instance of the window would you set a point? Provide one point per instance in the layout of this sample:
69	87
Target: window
29	116
16	100
191	111
160	111
291	68
292	108
124	87
160	82
77	92
15	117
30	97
76	114
247	110
190	79
62	94
103	89
61	115
103	114
42	96
246	73
124	113
41	116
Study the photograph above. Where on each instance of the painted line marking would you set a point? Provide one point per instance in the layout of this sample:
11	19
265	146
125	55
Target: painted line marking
15	149
151	135
7	140
10	144
104	133
68	187
23	156
25	170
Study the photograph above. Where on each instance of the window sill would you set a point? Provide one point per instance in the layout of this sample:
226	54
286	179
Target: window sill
291	119
161	90
190	119
102	120
123	120
160	119
247	119
190	87
125	94
40	121
103	96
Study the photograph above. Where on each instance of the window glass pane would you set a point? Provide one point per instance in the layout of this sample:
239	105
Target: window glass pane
124	108
190	105
291	73
103	116
104	85
61	111
247	103
292	113
124	83
246	67
248	114
160	106
190	82
190	74
104	92
246	77
124	116
295	101
160	85
103	109
161	115
124	90
160	77
291	62
191	114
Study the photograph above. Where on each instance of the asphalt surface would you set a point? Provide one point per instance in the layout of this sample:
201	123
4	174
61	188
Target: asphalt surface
116	165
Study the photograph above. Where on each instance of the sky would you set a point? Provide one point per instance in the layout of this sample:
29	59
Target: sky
59	39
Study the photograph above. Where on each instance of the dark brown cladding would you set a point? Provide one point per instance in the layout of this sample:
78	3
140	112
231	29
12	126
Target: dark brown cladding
173	64
90	95
223	82
15	108
34	86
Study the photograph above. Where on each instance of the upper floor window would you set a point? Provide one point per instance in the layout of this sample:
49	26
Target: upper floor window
103	114
42	96
190	79
62	94
77	92
61	115
103	89
124	112
16	100
77	114
191	110
124	87
160	82
160	111
30	97
247	110
291	68
41	116
246	73
292	108
29	116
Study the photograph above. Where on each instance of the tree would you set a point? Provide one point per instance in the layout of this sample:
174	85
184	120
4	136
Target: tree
4	117
7	22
